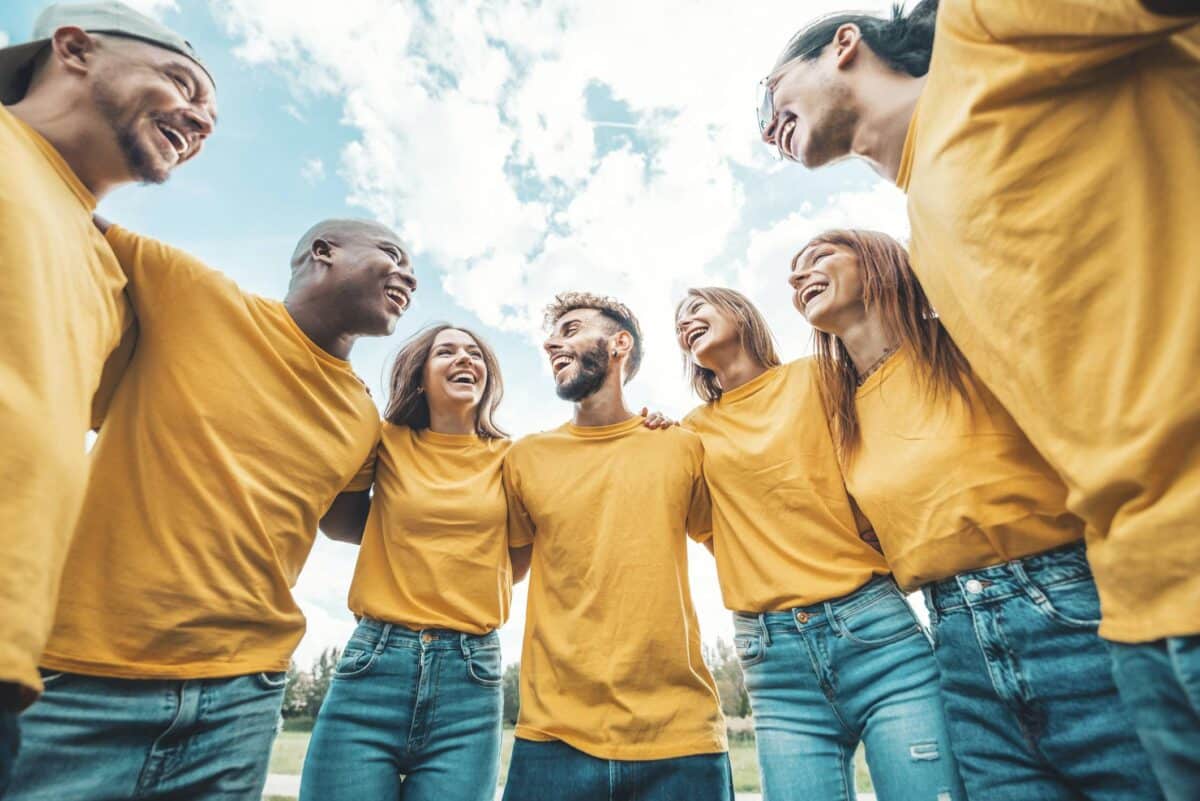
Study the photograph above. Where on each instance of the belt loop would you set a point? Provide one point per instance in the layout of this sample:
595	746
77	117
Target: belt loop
831	616
762	627
383	638
462	643
1027	584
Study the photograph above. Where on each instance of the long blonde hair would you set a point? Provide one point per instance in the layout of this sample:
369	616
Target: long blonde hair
407	404
753	334
891	288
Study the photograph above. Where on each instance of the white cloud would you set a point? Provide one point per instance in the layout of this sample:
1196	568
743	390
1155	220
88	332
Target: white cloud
4	38
313	171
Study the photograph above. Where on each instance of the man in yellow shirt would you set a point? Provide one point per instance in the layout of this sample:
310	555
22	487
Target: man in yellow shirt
1051	156
237	422
84	112
616	702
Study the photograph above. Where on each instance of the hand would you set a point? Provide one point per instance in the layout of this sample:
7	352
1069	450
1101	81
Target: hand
657	420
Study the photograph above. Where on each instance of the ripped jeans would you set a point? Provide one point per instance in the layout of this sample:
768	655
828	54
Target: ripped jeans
826	677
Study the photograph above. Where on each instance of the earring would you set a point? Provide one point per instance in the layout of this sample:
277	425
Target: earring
614	354
420	390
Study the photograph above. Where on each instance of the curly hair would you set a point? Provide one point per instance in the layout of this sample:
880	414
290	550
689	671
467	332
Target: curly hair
611	309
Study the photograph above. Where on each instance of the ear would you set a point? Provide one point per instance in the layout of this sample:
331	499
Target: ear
321	251
845	44
74	49
621	343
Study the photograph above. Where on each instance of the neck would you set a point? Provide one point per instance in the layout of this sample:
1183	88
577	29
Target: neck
737	370
459	419
324	329
866	342
86	143
886	117
604	407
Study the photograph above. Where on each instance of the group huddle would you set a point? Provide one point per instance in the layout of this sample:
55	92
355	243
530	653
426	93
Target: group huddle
1002	413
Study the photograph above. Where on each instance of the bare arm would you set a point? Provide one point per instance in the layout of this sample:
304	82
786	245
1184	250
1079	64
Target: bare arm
520	557
1172	8
347	517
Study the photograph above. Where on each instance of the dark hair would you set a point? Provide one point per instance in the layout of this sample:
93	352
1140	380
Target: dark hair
613	310
904	42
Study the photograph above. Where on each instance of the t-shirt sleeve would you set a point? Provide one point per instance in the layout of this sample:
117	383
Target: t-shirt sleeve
160	275
520	526
365	476
1118	26
699	522
110	378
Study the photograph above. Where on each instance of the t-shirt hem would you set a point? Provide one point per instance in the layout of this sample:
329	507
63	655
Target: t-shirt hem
202	670
626	753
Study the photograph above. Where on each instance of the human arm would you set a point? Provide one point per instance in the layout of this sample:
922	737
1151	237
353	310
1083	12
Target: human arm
347	517
520	559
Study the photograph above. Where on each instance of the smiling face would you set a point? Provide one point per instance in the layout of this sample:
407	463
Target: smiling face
827	286
455	373
159	104
368	276
705	332
578	348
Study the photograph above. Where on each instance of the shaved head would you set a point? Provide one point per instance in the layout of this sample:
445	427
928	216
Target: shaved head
343	232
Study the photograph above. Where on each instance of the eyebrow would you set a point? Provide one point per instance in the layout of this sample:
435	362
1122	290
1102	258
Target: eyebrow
198	85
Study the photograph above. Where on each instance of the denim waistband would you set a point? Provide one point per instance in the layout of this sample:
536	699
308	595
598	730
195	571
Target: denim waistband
1008	579
391	635
816	615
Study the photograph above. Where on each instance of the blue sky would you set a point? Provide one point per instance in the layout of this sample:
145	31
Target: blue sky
522	149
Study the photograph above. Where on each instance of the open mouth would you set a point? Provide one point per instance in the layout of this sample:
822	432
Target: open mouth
463	377
694	335
812	291
785	138
559	361
397	295
175	139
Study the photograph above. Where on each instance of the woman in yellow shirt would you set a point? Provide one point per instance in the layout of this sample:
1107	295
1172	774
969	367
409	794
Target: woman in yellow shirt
967	511
833	655
416	693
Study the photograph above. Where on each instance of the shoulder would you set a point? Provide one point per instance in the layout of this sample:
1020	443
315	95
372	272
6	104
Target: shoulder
697	418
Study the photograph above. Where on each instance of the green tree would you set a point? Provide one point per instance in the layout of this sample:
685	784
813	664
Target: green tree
731	684
296	691
512	697
321	676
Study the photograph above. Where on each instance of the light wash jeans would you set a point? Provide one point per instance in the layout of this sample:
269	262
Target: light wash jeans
1033	711
554	771
100	739
824	678
415	709
1160	683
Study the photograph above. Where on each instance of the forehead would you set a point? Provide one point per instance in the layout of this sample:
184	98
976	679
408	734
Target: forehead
689	303
453	336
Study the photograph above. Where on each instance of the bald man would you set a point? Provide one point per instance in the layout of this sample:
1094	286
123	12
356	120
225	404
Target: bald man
236	423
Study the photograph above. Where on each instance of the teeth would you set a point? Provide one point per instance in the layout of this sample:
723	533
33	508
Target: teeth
178	141
695	334
813	291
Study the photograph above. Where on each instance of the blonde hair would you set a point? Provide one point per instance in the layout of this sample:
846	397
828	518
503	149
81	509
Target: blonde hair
407	404
616	311
754	335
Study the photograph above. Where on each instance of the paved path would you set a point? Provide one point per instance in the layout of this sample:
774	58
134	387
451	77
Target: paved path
280	784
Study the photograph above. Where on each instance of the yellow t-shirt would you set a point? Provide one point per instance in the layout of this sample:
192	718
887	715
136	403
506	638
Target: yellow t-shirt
611	663
435	550
949	487
228	437
1053	178
62	311
784	531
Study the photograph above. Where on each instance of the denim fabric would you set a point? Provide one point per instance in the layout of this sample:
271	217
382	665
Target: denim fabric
95	739
10	738
1160	683
826	677
1033	711
554	771
425	706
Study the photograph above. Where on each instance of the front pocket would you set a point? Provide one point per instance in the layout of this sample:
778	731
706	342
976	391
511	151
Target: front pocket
272	680
484	666
882	622
1075	605
354	663
750	650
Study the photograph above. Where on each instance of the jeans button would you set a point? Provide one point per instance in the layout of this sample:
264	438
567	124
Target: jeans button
802	617
974	586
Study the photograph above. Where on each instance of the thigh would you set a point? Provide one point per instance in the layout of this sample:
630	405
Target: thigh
554	771
88	738
1167	723
804	749
702	777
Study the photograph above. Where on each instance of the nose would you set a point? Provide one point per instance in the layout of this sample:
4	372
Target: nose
200	121
407	277
768	133
551	345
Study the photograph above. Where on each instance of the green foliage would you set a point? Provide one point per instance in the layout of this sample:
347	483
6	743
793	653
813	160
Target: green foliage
731	685
512	698
306	689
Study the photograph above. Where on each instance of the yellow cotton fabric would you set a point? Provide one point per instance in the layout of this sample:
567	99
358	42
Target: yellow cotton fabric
1053	178
435	549
63	312
611	663
784	529
228	437
950	486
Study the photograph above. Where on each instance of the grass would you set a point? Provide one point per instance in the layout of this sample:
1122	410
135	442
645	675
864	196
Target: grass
290	746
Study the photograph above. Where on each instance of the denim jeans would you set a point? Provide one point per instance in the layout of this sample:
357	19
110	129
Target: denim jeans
554	771
1033	711
10	738
1160	682
826	677
94	739
423	705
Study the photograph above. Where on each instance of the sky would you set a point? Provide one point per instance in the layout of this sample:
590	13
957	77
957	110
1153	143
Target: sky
521	149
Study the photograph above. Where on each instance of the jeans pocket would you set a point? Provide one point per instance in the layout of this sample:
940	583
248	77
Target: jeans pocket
882	622
484	665
1075	604
750	650
51	676
272	679
354	662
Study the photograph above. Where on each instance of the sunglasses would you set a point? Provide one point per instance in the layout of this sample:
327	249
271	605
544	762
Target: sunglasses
766	103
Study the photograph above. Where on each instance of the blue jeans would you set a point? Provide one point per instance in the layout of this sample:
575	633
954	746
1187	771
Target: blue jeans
10	734
1033	711
554	771
425	705
1160	683
93	739
826	677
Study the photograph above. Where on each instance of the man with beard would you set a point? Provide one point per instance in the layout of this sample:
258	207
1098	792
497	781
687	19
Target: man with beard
236	424
85	112
616	702
1051	157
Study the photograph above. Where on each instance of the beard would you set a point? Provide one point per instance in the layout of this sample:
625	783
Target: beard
143	163
593	369
832	133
